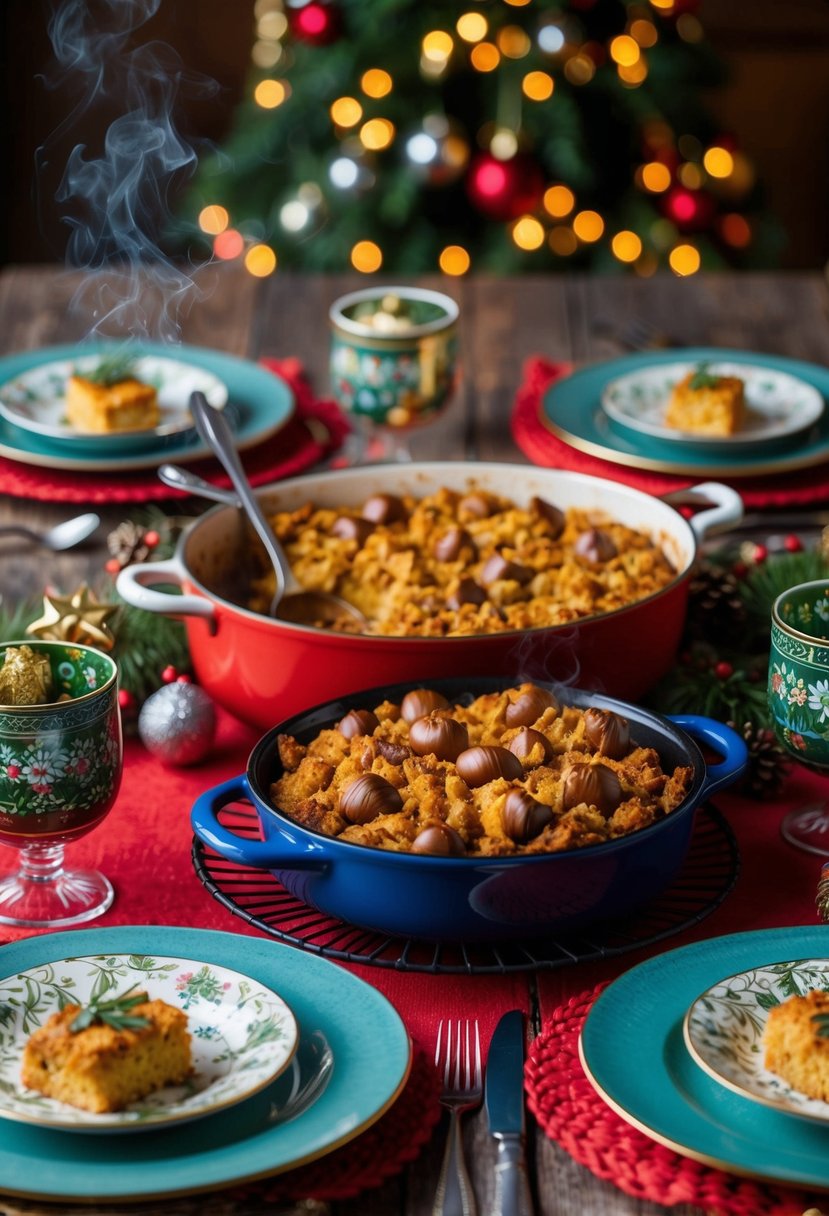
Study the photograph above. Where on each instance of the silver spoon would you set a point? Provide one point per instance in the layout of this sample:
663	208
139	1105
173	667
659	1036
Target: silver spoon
63	536
181	479
291	601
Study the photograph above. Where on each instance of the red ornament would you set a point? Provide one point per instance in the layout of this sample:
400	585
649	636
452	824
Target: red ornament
690	210
792	544
125	699
151	539
504	189
316	22
760	554
723	670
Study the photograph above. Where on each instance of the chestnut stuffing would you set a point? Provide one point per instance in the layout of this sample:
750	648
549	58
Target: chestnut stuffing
514	772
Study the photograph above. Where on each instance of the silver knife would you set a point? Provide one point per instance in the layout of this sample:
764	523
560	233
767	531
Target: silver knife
505	1110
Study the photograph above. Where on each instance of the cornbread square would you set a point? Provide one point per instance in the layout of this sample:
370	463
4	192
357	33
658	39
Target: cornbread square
712	409
101	1069
793	1048
127	405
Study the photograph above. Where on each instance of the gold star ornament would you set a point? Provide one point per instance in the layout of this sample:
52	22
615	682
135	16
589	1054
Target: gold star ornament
75	618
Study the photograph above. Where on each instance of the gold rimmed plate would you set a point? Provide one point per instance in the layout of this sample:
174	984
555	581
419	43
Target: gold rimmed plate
724	1030
571	409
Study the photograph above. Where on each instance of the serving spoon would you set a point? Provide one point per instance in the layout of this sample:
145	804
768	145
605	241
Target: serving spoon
291	601
63	536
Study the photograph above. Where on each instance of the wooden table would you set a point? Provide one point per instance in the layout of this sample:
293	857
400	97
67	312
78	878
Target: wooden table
502	323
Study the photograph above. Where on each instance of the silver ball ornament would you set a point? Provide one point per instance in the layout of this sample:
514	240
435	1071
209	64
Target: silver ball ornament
178	723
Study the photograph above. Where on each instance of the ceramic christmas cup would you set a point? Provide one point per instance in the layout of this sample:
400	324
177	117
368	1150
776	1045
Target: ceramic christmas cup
60	770
799	671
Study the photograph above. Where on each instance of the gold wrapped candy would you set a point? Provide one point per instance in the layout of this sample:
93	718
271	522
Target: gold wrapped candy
25	677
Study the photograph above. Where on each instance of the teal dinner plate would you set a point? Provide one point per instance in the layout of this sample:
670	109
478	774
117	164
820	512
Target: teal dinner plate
571	409
259	403
371	1060
633	1052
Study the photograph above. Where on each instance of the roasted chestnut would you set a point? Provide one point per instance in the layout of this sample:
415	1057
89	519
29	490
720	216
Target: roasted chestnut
420	702
440	840
607	733
595	546
499	567
528	741
474	505
478	765
529	706
523	817
448	546
367	797
439	736
357	722
466	592
552	516
347	528
395	753
594	784
383	509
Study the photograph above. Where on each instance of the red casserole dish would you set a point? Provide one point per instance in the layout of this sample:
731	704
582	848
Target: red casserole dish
264	670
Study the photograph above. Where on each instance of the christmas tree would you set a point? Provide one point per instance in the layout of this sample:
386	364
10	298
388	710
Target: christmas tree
498	135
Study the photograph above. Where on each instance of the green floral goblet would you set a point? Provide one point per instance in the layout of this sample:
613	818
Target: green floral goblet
798	695
60	770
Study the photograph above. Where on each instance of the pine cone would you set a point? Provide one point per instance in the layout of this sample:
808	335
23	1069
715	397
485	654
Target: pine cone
127	545
715	606
768	763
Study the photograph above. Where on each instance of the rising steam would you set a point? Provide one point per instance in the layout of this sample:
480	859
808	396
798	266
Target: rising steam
115	199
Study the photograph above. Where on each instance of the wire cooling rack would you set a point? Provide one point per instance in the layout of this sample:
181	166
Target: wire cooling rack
708	874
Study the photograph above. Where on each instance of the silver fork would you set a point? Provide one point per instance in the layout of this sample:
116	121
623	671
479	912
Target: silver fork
458	1060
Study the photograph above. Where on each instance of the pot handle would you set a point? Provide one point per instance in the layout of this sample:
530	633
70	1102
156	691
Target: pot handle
261	854
130	585
725	507
723	740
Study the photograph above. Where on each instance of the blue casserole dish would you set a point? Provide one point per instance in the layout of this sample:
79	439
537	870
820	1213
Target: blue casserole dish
471	898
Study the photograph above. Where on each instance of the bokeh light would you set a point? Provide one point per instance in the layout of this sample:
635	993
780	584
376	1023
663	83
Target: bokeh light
559	201
538	86
376	82
472	27
366	257
346	111
228	244
270	93
213	219
260	261
437	46
376	134
528	233
562	240
580	69
718	162
588	226
645	32
454	260
684	260
735	230
624	50
513	42
656	177
485	57
626	246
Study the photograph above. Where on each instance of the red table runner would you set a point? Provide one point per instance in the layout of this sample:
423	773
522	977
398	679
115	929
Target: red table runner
800	488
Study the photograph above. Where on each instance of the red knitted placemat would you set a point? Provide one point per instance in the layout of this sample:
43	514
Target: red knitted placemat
570	1111
382	1151
542	447
316	429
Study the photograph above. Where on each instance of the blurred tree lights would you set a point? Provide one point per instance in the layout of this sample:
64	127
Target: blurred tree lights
501	135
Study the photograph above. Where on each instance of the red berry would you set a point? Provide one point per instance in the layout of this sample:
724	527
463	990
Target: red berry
792	544
125	699
739	569
185	679
169	674
151	538
113	566
760	554
723	670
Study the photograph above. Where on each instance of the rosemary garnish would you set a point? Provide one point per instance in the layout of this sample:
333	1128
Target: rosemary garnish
112	368
822	1022
115	1012
702	378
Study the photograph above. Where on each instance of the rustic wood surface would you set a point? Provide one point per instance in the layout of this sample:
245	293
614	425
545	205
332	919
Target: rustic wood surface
502	323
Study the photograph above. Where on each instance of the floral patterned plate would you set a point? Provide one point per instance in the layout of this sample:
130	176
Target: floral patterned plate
778	404
242	1035
34	400
724	1028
